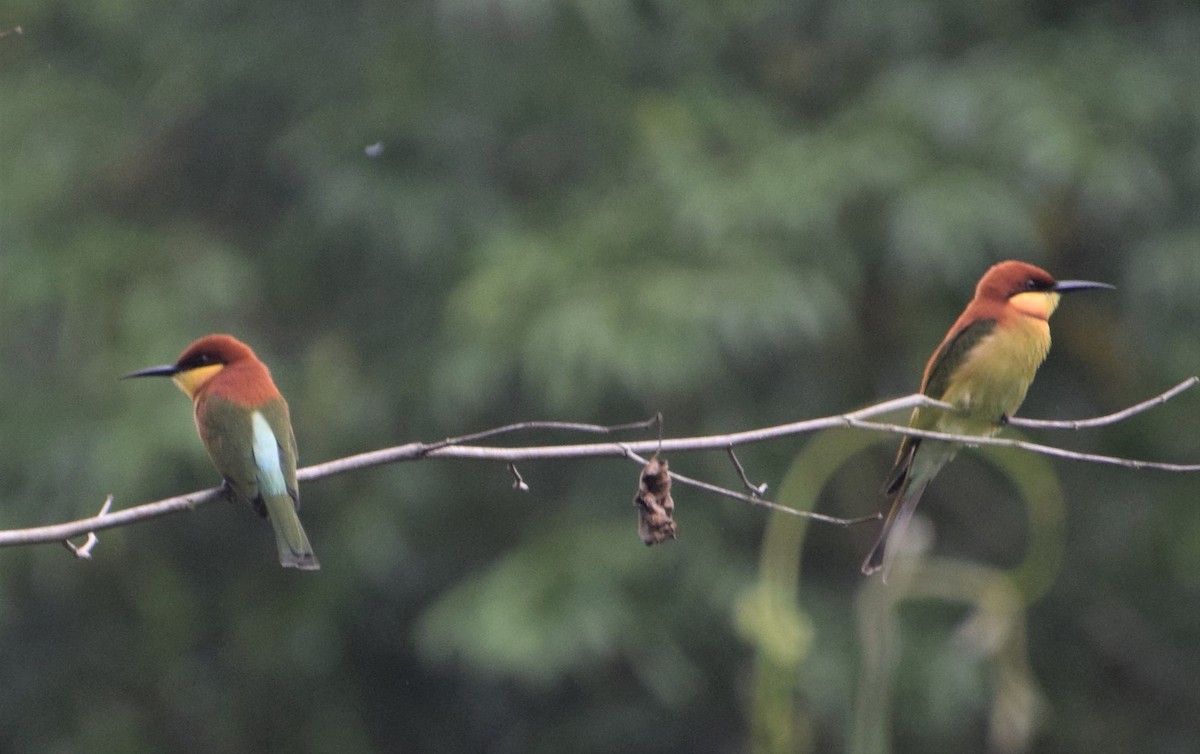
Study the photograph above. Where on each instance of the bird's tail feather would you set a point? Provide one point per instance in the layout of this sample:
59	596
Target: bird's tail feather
918	468
294	549
881	556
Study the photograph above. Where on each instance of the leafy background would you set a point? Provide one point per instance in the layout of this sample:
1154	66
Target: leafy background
739	213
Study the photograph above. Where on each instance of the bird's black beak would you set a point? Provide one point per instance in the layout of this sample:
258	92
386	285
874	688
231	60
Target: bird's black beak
166	370
1065	286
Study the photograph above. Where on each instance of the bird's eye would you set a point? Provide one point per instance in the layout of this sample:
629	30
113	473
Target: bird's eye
199	360
1031	285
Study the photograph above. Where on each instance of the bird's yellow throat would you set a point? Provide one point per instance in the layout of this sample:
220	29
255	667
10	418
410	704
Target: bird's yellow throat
1040	304
192	380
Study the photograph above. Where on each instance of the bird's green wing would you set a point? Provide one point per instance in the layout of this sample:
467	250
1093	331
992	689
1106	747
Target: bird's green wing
937	380
952	353
227	434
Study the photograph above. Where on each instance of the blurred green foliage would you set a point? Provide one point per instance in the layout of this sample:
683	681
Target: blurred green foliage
437	215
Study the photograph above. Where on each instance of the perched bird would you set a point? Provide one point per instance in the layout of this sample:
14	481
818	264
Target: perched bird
983	368
245	427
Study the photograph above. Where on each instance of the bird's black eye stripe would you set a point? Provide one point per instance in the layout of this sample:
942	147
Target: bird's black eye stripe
198	360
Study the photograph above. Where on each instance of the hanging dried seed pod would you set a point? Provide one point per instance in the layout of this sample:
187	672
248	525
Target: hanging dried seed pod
654	503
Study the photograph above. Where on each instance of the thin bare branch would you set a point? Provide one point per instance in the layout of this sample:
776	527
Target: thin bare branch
762	502
81	527
1101	421
755	489
416	450
1033	447
597	429
518	483
84	551
454	448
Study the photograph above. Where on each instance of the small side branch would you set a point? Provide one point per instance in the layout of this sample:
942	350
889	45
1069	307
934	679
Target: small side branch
1033	447
449	449
755	489
60	532
1102	421
597	429
518	483
756	500
84	551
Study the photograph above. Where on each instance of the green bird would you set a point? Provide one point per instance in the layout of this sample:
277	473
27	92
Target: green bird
983	368
245	427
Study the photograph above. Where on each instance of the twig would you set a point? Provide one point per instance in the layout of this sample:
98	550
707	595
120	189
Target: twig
759	489
1033	447
415	450
446	449
598	429
756	500
1102	421
84	551
518	482
58	532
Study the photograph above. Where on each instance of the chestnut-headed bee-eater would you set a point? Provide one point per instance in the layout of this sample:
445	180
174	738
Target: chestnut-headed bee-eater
245	427
983	368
